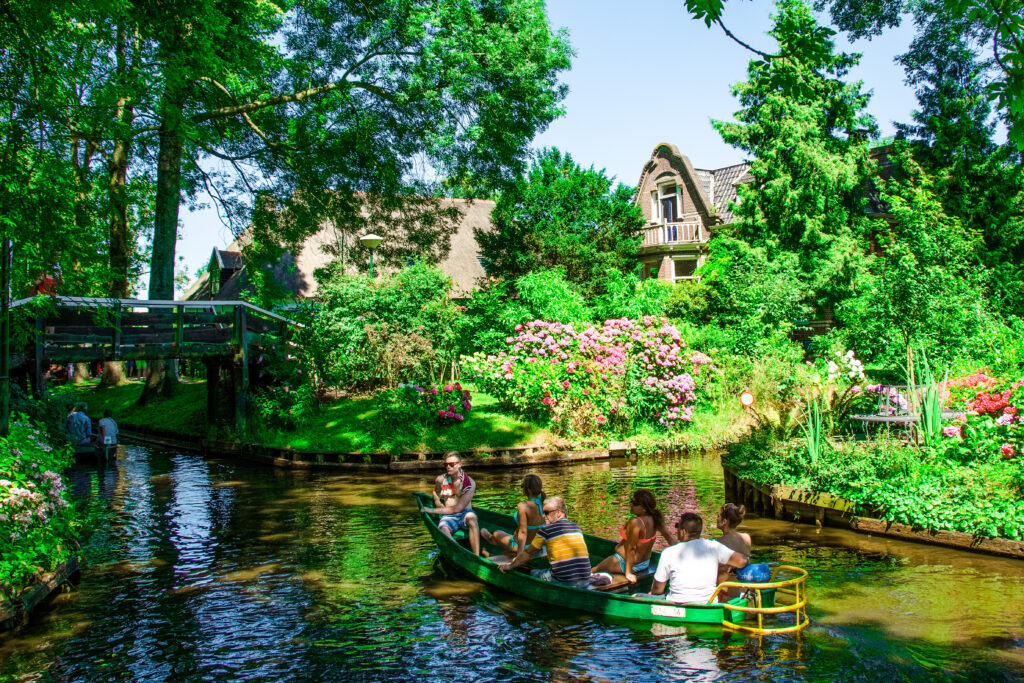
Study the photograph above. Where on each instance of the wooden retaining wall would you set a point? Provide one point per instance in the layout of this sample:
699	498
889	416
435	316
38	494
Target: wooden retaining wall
798	505
520	456
15	613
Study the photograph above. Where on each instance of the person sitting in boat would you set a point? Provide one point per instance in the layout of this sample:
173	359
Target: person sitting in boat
108	431
565	546
79	426
453	498
690	568
729	518
528	519
633	553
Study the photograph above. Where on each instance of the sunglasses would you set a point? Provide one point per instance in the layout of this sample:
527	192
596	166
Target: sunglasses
450	464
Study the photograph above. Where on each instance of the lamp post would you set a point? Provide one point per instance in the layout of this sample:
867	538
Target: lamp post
371	241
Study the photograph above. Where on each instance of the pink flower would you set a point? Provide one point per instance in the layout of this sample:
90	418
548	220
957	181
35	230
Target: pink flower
459	418
565	384
952	430
601	419
586	392
440	413
1007	450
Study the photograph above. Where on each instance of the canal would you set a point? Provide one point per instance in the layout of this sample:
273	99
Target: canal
206	569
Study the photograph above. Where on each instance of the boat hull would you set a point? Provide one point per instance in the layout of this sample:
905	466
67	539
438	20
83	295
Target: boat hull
596	602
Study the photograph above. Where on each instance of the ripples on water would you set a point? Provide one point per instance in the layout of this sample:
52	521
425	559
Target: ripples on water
215	570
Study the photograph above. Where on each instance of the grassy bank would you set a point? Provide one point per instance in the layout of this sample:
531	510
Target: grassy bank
352	425
347	425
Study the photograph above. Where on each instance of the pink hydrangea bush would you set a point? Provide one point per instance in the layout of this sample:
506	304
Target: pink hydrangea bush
37	523
587	378
447	404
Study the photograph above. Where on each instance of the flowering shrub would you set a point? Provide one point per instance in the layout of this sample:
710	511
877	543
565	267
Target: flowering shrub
586	378
446	404
37	524
991	426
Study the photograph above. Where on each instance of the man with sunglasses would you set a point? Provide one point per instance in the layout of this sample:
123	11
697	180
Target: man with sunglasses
566	548
453	496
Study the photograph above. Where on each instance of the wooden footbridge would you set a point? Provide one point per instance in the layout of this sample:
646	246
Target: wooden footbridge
223	334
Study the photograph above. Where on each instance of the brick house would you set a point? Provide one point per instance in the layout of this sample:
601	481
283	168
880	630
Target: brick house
682	205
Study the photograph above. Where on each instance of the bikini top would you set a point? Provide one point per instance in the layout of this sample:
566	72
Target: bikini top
622	532
515	515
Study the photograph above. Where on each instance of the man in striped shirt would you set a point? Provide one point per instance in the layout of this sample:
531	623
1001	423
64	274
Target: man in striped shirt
566	549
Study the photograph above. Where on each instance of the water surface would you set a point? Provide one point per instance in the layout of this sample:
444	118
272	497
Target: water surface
216	570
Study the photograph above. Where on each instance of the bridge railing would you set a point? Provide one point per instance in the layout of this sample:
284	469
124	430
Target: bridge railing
81	329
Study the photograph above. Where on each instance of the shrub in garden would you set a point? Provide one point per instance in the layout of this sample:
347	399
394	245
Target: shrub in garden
445	405
588	378
37	525
369	333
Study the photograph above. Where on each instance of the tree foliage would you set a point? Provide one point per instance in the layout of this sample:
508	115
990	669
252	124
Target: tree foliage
563	215
929	289
805	129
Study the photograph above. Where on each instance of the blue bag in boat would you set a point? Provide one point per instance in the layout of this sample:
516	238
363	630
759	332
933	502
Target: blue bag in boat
755	573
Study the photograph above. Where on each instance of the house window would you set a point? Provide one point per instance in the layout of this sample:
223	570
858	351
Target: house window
684	269
668	203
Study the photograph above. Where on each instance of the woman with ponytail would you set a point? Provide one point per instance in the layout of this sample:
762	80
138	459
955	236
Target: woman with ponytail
729	518
633	553
528	519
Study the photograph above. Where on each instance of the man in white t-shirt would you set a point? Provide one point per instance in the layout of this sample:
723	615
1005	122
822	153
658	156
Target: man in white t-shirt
690	567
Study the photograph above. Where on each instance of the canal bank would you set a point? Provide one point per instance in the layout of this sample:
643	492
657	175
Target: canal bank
209	568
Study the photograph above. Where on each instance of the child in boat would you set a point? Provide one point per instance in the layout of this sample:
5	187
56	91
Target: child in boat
729	518
566	548
528	519
633	553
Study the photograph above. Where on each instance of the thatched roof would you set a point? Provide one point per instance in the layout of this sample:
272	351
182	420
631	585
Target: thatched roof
296	274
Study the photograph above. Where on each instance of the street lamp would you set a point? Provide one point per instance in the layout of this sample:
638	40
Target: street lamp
370	242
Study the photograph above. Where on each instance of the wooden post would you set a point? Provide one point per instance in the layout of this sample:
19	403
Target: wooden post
117	331
5	337
242	368
212	390
39	378
179	324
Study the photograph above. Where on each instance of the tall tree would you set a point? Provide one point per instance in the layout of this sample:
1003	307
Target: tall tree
563	215
998	24
807	133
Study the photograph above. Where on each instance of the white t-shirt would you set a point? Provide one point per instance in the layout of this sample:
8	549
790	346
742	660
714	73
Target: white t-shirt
691	569
111	430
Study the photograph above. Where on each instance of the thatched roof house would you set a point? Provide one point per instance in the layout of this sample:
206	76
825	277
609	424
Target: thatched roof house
225	276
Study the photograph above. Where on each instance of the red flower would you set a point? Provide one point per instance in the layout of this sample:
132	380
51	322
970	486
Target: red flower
1007	450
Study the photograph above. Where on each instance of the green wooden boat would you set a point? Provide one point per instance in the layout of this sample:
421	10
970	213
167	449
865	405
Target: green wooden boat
616	605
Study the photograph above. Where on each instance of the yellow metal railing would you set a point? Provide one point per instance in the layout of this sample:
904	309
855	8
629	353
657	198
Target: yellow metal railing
794	587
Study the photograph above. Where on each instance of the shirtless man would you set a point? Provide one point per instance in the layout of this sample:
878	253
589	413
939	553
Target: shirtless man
453	496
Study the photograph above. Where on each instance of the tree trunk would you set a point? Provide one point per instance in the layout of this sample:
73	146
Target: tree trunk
160	378
81	373
113	372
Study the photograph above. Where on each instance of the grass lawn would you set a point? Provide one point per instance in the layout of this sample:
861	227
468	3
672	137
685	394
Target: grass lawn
343	426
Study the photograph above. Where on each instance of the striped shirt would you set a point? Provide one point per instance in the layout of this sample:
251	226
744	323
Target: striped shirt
567	551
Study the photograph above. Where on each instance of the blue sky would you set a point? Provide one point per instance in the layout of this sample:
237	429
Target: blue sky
644	73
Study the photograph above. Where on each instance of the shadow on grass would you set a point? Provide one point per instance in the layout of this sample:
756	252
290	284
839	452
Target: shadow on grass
346	426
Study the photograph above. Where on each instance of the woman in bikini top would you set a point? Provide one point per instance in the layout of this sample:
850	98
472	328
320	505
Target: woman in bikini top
528	519
633	553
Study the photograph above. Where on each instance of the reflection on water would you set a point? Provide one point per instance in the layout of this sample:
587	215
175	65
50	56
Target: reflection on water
216	570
